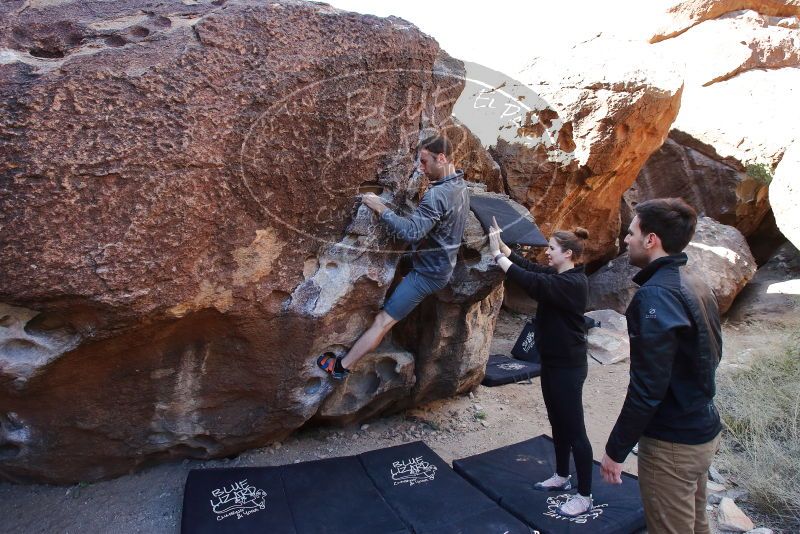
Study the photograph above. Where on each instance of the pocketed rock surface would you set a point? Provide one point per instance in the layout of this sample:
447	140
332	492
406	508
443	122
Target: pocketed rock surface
180	232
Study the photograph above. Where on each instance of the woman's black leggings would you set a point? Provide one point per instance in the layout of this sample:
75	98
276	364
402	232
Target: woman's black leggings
562	389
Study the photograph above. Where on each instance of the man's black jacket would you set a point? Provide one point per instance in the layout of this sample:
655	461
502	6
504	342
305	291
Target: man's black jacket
559	329
676	346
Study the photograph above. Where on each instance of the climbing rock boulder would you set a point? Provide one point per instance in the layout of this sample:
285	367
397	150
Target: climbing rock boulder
718	254
180	228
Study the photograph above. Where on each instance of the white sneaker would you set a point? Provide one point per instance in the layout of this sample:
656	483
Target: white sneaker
555	483
576	505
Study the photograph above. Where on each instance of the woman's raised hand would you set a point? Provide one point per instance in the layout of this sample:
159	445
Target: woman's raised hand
495	243
494	238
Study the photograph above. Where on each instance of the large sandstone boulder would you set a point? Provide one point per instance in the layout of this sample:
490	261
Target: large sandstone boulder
597	116
609	342
718	254
683	15
774	292
739	56
611	287
784	194
180	229
722	190
470	156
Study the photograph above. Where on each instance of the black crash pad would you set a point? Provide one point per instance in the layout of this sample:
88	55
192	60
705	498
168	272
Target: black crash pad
517	230
508	474
319	497
502	370
430	497
239	500
525	347
337	496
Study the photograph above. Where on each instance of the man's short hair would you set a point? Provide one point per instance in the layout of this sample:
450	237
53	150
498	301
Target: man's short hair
437	144
671	219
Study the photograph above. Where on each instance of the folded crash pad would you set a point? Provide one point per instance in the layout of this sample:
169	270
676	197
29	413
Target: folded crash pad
501	369
525	347
517	229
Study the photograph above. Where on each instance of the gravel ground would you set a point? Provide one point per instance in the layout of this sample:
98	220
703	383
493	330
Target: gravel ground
150	501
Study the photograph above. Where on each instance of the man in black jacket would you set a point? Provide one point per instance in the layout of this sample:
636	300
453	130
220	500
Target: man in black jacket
676	345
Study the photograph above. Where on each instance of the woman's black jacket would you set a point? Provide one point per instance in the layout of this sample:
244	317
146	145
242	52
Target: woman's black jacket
559	328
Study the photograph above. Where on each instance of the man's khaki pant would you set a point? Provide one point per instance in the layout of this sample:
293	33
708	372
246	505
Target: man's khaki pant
672	480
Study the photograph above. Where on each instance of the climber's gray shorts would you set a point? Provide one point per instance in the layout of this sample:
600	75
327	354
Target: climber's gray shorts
409	292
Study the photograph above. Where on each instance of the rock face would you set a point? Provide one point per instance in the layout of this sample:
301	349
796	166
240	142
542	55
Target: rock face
570	161
470	156
611	287
180	231
682	16
784	194
722	190
717	254
774	291
739	55
609	343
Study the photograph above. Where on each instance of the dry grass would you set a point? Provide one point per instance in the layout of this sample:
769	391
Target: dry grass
760	407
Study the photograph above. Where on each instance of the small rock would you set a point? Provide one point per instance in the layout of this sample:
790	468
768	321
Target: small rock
730	517
471	395
355	436
364	426
277	445
760	530
484	424
297	461
713	487
715	475
737	494
709	508
478	408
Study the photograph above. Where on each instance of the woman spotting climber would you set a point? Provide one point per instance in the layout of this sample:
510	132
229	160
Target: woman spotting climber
561	291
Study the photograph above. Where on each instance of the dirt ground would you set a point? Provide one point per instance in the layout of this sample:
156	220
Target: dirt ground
150	501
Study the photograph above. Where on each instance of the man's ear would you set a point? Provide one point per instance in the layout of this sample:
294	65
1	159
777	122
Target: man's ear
441	159
652	240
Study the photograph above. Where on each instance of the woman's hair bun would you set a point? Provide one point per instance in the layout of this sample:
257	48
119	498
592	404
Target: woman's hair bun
583	233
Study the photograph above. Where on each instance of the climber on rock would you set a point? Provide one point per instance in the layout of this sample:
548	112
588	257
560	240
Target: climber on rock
434	230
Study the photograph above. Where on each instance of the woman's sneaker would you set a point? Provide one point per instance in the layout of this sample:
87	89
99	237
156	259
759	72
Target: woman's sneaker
555	483
576	505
